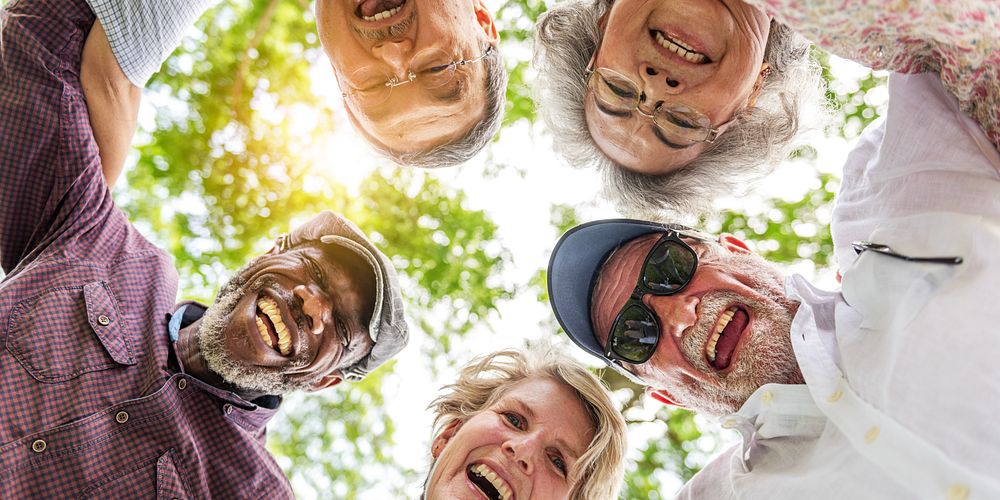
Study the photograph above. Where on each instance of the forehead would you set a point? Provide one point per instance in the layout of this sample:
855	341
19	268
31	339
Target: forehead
631	143
415	119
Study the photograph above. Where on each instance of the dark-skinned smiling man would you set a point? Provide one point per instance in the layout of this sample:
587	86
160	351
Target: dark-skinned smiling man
422	81
110	389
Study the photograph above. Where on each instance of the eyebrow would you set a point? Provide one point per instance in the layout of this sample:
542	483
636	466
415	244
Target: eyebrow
318	267
664	140
602	109
454	92
563	445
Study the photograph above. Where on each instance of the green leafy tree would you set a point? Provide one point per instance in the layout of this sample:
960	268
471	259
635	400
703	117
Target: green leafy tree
223	168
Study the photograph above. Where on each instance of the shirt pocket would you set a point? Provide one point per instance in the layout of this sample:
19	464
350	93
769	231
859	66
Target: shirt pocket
66	332
140	482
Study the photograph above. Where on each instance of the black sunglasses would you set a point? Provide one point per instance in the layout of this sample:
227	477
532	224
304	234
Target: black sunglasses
668	268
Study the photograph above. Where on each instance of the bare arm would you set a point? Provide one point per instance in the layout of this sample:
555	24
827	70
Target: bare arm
112	101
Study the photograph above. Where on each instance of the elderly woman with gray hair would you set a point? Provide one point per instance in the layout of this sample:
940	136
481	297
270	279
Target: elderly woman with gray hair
527	423
677	102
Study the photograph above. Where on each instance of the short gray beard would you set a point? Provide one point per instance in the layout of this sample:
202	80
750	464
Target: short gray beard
211	343
393	31
767	357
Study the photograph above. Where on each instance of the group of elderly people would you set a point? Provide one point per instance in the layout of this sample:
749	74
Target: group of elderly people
883	389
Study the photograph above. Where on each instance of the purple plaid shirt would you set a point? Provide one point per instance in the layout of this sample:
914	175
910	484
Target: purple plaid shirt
93	402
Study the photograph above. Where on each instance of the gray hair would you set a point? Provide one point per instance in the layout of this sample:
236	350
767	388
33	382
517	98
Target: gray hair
791	97
463	149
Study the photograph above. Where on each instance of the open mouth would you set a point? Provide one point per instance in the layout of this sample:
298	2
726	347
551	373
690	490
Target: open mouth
679	47
271	327
378	10
489	483
726	335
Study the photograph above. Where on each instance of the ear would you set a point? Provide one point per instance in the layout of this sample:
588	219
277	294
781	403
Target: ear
765	70
327	381
733	244
663	396
485	20
441	440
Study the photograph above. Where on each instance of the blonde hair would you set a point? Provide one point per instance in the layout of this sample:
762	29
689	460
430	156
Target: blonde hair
599	471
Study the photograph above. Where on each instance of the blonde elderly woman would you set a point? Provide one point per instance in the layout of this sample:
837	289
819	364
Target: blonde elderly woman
526	424
679	102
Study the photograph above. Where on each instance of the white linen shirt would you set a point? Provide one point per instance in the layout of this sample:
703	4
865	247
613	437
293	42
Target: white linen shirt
901	387
143	33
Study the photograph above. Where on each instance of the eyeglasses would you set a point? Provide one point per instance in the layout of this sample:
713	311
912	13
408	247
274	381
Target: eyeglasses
378	89
861	246
668	268
677	123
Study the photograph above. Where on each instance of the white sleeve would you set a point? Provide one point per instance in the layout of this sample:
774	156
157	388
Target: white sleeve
142	33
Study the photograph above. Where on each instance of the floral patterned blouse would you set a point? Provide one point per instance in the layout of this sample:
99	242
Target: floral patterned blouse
958	39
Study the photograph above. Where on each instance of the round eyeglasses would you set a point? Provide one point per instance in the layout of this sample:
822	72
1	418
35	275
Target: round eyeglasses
677	123
376	89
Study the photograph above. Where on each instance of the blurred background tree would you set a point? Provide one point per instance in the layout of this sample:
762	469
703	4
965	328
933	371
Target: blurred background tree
234	151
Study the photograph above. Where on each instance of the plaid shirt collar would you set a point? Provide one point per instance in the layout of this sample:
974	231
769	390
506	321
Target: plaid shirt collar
187	312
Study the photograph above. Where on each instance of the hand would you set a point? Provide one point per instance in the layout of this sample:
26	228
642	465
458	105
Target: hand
112	102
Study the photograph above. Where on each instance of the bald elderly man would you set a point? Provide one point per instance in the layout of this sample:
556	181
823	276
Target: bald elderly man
111	389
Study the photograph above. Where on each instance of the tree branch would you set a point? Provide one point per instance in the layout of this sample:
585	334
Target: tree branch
241	74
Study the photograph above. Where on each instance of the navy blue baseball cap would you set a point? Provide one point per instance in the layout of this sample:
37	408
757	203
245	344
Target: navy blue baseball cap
573	268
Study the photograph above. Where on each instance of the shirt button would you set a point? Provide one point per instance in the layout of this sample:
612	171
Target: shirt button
182	384
958	492
104	320
767	397
38	446
871	435
833	398
121	417
227	408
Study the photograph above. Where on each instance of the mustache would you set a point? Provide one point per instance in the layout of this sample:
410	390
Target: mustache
396	30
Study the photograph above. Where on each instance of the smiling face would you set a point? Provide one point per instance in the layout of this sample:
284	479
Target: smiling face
369	42
523	446
705	55
721	337
290	320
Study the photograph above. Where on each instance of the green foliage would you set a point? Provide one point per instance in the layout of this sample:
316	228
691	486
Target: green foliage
788	231
225	168
517	20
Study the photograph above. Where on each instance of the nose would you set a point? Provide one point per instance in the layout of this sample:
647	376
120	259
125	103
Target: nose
315	305
675	312
395	53
524	450
657	82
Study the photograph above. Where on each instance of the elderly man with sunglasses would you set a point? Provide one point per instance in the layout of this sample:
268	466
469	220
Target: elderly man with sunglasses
886	389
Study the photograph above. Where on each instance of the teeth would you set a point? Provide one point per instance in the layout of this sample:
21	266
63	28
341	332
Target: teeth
494	479
385	14
721	325
262	329
270	308
677	47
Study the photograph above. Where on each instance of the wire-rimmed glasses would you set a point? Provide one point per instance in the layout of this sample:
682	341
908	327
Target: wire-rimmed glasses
377	88
679	124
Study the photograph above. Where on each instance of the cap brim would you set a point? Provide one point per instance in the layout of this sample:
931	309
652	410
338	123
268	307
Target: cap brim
574	264
357	248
